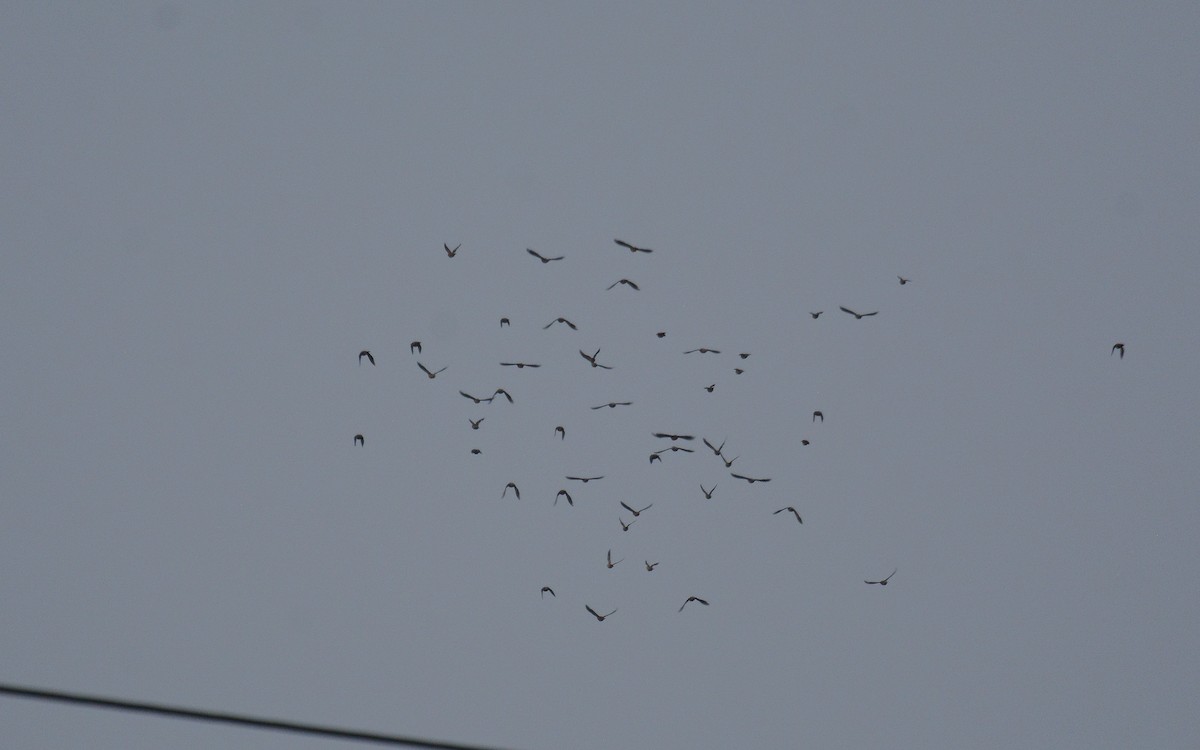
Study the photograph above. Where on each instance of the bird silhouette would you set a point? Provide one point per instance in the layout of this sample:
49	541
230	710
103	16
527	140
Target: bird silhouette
360	440
625	526
504	393
548	590
673	436
505	322
636	513
903	280
661	334
613	404
475	451
592	359
803	442
818	414
708	493
692	599
885	580
518	365
585	480
675	448
475	422
414	347
651	566
449	252
425	369
729	462
655	457
793	510
561	432
858	316
597	615
1117	347
515	489
716	451
633	248
751	480
713	387
743	355
564	321
816	314
564	493
626	282
476	399
541	257
366	353
612	564
703	350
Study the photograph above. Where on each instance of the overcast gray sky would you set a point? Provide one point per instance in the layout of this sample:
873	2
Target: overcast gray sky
208	210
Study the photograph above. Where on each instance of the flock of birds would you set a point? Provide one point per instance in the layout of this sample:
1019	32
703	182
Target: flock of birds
678	442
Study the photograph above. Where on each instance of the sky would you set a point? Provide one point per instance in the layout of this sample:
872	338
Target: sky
209	209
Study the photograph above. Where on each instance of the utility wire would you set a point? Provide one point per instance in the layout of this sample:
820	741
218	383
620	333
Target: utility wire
227	718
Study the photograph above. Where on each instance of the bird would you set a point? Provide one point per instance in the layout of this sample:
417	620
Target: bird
561	432
449	252
612	564
564	493
884	581
548	590
366	353
541	257
703	350
661	334
518	365
425	369
743	355
475	422
636	513
414	347
817	414
716	451
803	442
708	493
504	393
751	480
592	358
476	399
692	599
793	510
505	322
625	526
597	615
712	387
674	448
564	321
613	404
655	457
738	371
816	314
729	462
514	489
626	282
857	316
673	436
585	480
651	566
1117	347
360	440
903	280
633	248
475	451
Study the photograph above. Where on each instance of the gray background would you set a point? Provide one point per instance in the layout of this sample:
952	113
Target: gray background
208	209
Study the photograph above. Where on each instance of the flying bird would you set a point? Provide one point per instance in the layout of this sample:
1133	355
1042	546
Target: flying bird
692	599
743	355
818	414
514	489
858	316
884	581
612	564
716	451
751	480
518	365
793	510
636	513
585	480
564	493
359	440
708	493
633	248
729	462
738	371
673	437
903	280
504	393
548	590
366	353
425	369
703	350
674	448
626	282
504	322
711	388
625	526
661	334
597	615
655	457
816	314
475	451
475	422
651	566
561	432
592	358
414	347
449	252
1117	347
564	321
613	404
803	442
476	399
541	257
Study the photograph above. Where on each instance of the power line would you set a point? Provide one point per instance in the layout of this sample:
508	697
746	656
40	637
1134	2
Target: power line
227	718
